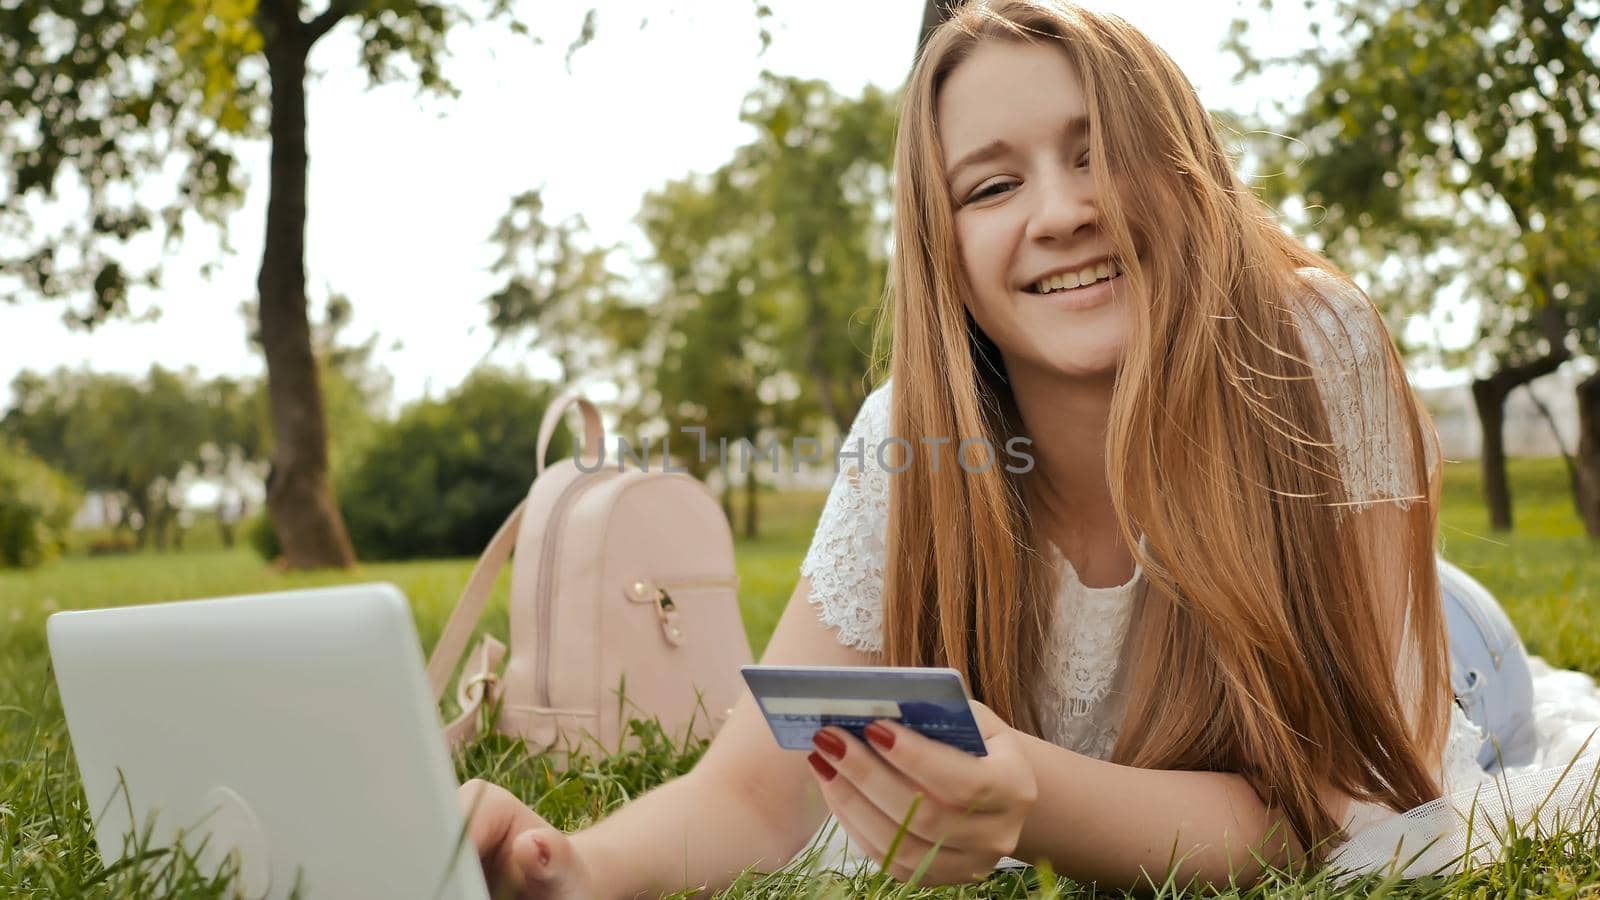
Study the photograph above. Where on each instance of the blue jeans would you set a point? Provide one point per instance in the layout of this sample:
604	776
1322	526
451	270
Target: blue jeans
1488	670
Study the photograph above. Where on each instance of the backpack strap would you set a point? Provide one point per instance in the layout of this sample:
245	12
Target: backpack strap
453	640
479	688
593	430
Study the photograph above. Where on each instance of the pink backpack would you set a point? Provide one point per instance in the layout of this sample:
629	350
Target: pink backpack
622	586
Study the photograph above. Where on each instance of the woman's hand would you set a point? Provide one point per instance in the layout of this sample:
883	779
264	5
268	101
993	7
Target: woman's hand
523	856
973	807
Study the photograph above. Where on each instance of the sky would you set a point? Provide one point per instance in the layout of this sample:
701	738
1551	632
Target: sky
404	190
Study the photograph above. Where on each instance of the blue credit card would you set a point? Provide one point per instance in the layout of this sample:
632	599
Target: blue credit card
798	700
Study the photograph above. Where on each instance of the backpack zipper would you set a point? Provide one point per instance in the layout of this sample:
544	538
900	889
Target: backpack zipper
656	593
697	582
542	596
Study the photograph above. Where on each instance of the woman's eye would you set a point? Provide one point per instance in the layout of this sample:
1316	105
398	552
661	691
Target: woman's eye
1083	162
989	190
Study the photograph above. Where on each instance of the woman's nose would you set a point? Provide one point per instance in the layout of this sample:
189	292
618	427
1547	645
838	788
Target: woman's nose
1062	206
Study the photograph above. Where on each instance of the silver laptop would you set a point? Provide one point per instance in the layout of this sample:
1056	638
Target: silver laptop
290	736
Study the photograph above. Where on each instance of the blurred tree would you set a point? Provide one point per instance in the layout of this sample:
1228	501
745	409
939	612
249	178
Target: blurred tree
773	265
125	438
47	414
356	388
558	285
236	449
753	319
1589	450
440	479
127	92
819	178
709	340
37	504
1460	140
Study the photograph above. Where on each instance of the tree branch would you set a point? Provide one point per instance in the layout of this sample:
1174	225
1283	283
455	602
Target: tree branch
328	18
1573	476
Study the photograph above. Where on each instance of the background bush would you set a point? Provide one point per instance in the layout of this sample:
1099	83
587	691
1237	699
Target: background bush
442	477
37	504
258	532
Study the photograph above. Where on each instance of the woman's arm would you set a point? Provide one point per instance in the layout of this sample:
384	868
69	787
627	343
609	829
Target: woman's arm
747	803
703	829
1125	827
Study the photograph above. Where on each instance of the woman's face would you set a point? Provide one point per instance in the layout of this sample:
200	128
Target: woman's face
1044	282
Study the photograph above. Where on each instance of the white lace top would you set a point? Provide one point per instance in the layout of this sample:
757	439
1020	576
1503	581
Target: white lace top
1082	698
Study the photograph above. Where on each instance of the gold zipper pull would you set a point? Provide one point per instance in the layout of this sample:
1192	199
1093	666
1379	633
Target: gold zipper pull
646	591
667	612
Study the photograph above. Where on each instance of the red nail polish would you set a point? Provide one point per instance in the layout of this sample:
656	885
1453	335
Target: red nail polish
829	744
821	765
881	737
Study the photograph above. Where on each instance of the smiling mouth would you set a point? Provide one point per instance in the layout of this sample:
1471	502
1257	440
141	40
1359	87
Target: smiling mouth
1071	281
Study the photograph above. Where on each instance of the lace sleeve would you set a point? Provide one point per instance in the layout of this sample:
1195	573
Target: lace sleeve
1346	344
846	558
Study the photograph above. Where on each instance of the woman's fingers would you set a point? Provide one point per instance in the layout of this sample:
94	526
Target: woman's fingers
956	795
494	816
545	865
971	808
964	848
869	825
523	856
873	834
991	784
876	782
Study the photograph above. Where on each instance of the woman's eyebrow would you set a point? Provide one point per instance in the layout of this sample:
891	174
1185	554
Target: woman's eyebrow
991	150
1074	127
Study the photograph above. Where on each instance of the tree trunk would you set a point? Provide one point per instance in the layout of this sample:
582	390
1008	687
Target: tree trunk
1589	453
299	490
160	515
752	490
1490	399
1574	477
141	529
1489	395
817	337
158	532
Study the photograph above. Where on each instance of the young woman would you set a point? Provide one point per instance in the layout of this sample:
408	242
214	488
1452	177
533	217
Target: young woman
1183	620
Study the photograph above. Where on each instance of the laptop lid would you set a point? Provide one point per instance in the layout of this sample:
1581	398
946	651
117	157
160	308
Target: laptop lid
295	728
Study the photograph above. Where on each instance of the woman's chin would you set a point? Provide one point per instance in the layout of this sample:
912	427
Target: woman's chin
1088	367
1077	361
1084	349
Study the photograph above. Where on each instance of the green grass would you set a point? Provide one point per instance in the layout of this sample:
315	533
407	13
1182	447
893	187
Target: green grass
1546	573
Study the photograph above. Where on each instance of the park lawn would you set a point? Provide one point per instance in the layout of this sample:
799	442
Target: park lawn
1546	573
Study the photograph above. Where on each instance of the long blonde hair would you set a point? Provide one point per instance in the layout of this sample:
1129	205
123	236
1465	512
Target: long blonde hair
1254	647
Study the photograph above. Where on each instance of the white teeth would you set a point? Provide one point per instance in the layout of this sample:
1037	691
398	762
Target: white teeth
1083	277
